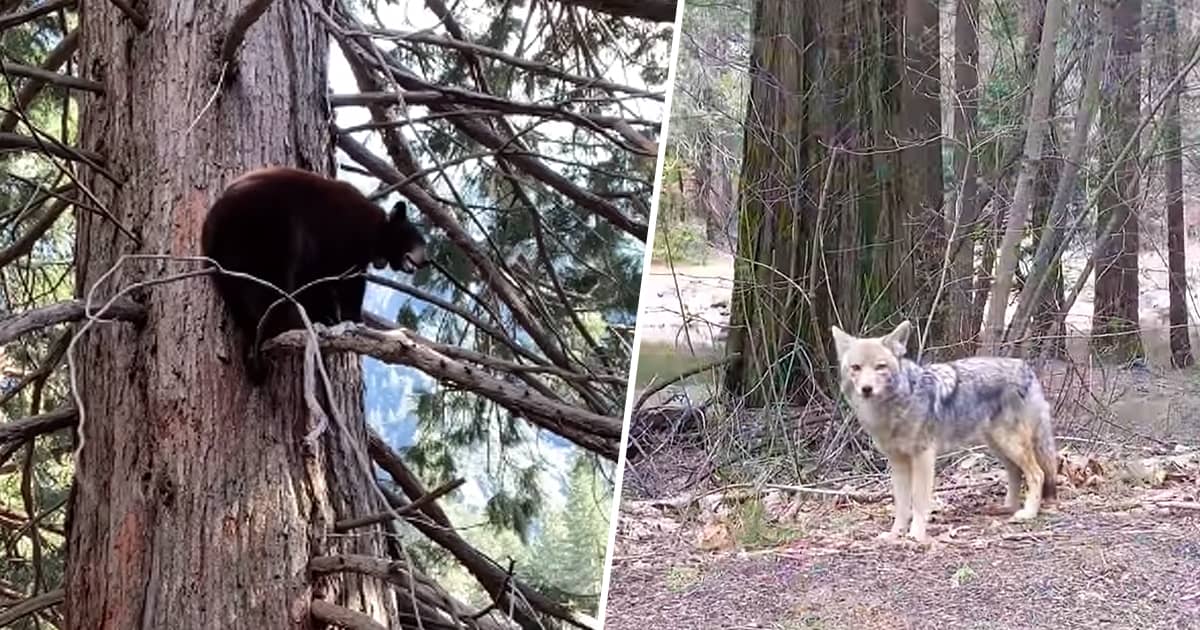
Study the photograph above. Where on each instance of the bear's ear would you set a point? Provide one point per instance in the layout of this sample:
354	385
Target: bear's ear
399	212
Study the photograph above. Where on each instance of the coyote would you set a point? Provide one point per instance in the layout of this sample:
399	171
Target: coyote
912	412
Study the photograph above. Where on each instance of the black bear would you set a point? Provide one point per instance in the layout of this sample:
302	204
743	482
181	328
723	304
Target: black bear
291	227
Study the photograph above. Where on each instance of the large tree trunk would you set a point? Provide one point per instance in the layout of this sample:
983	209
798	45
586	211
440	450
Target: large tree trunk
812	217
964	211
195	504
1181	347
1115	310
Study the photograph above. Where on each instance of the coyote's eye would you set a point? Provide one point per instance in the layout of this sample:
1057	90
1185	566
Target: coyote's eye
855	367
879	367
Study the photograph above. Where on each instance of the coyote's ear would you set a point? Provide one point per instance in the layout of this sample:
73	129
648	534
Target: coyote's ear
897	340
841	341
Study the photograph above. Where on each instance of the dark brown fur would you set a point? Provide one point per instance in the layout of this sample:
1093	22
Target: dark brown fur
290	227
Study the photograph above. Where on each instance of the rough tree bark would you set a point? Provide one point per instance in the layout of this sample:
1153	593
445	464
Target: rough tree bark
812	216
1181	346
965	210
921	163
195	505
1115	333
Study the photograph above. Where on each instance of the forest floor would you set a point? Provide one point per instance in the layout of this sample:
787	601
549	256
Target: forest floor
1120	549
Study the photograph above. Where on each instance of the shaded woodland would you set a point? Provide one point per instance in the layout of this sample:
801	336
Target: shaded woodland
1014	178
449	464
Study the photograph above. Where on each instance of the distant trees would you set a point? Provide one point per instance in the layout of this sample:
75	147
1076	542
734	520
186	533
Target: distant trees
844	216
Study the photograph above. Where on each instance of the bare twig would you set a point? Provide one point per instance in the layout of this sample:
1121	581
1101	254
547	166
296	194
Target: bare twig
32	13
412	508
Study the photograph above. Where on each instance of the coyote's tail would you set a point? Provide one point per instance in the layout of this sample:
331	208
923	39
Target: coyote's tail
1047	457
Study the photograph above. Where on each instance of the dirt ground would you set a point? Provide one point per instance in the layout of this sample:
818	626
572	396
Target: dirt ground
1119	552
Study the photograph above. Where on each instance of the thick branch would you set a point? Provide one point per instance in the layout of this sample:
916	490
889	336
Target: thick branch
33	426
335	615
45	76
32	13
14	326
457	96
597	433
31	606
242	23
54	60
653	10
19	142
26	241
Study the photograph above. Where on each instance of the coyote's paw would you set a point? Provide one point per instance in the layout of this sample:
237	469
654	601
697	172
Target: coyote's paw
1023	514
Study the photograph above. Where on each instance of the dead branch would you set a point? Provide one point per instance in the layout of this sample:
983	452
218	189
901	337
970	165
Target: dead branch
597	433
54	60
346	525
491	576
653	10
391	463
33	426
20	142
446	220
14	326
32	13
138	19
335	615
31	606
237	29
30	237
654	389
45	76
397	574
512	367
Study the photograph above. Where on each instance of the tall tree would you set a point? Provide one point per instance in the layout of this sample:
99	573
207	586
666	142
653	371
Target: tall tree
522	324
826	232
1115	333
1018	214
1181	346
964	210
163	497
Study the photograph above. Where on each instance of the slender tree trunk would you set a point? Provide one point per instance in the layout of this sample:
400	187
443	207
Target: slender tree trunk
1115	310
993	327
1047	261
1049	332
1181	347
921	161
195	505
964	212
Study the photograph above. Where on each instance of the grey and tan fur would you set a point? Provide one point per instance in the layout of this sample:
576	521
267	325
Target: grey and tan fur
913	412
